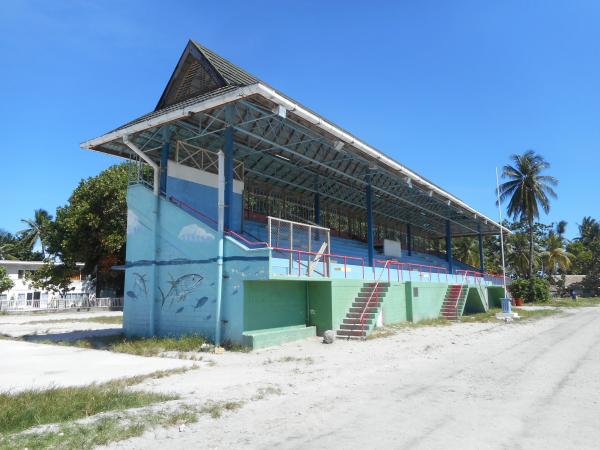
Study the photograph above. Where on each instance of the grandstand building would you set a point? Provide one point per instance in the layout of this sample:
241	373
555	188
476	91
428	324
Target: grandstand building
254	220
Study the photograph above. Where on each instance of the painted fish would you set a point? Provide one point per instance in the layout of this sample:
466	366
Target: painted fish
181	287
140	283
200	302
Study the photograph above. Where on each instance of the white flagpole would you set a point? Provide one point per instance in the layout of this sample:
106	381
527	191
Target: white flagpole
501	234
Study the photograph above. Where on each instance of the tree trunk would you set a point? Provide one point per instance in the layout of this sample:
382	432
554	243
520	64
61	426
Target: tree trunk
530	248
531	293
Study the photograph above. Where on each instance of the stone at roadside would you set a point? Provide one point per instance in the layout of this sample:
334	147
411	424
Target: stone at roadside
328	337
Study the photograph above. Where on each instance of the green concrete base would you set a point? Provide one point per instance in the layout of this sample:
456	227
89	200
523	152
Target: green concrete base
276	336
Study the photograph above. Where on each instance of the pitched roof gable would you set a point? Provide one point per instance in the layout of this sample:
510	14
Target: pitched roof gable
200	71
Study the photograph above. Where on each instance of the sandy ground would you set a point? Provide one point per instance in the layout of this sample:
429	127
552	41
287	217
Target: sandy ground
25	365
14	325
484	386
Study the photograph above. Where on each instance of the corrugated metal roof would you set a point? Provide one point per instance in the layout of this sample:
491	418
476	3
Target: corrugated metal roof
182	104
232	74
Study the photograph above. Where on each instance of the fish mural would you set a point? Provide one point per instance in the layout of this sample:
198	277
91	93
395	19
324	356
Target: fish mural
180	288
201	302
139	283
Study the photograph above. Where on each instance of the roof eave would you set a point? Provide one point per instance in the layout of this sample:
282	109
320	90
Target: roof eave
296	109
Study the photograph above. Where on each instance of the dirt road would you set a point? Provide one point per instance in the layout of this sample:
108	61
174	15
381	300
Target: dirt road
484	386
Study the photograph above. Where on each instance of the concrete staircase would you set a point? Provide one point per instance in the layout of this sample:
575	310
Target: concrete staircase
456	295
351	327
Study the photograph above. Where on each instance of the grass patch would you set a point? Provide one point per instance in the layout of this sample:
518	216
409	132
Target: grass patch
100	319
100	432
22	410
216	409
263	393
490	316
570	303
152	346
156	345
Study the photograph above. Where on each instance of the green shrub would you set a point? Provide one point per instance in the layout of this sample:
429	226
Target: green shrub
536	290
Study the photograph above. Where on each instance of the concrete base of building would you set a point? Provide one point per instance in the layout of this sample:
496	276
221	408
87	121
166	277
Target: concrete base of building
276	336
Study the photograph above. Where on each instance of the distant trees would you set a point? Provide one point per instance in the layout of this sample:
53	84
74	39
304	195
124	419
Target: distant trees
527	191
90	228
13	247
36	230
5	282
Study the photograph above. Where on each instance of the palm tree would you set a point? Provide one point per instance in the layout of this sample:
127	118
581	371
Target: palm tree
527	191
35	229
467	251
517	250
555	255
561	227
589	230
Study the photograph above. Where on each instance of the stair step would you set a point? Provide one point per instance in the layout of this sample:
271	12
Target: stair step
370	309
351	333
355	327
352	321
353	315
362	305
371	294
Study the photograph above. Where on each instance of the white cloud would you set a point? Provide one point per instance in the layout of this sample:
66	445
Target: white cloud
194	233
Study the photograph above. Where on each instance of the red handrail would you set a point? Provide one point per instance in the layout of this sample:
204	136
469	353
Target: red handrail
323	255
210	219
374	291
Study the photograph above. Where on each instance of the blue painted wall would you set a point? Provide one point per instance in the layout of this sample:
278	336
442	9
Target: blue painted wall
171	272
204	199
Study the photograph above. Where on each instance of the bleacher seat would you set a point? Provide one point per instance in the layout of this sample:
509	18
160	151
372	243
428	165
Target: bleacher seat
257	231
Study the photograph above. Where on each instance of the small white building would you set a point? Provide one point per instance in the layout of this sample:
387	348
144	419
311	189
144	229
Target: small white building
22	296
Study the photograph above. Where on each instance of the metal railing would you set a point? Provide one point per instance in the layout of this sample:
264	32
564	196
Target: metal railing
423	270
299	258
60	304
375	292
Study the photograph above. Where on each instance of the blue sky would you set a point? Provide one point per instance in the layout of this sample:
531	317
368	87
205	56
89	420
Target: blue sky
449	88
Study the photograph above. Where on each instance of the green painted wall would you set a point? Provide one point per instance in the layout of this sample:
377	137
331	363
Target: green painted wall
475	303
495	293
394	305
319	304
428	303
343	293
274	304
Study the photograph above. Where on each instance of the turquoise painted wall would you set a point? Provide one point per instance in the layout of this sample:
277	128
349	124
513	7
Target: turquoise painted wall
428	303
394	306
319	305
495	293
475	302
171	272
274	304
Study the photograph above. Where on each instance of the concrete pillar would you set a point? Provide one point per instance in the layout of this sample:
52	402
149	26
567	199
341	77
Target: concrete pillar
409	239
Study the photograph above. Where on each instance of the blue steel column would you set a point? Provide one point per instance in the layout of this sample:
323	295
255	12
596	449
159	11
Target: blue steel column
164	158
228	150
481	265
449	247
370	242
317	203
409	239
